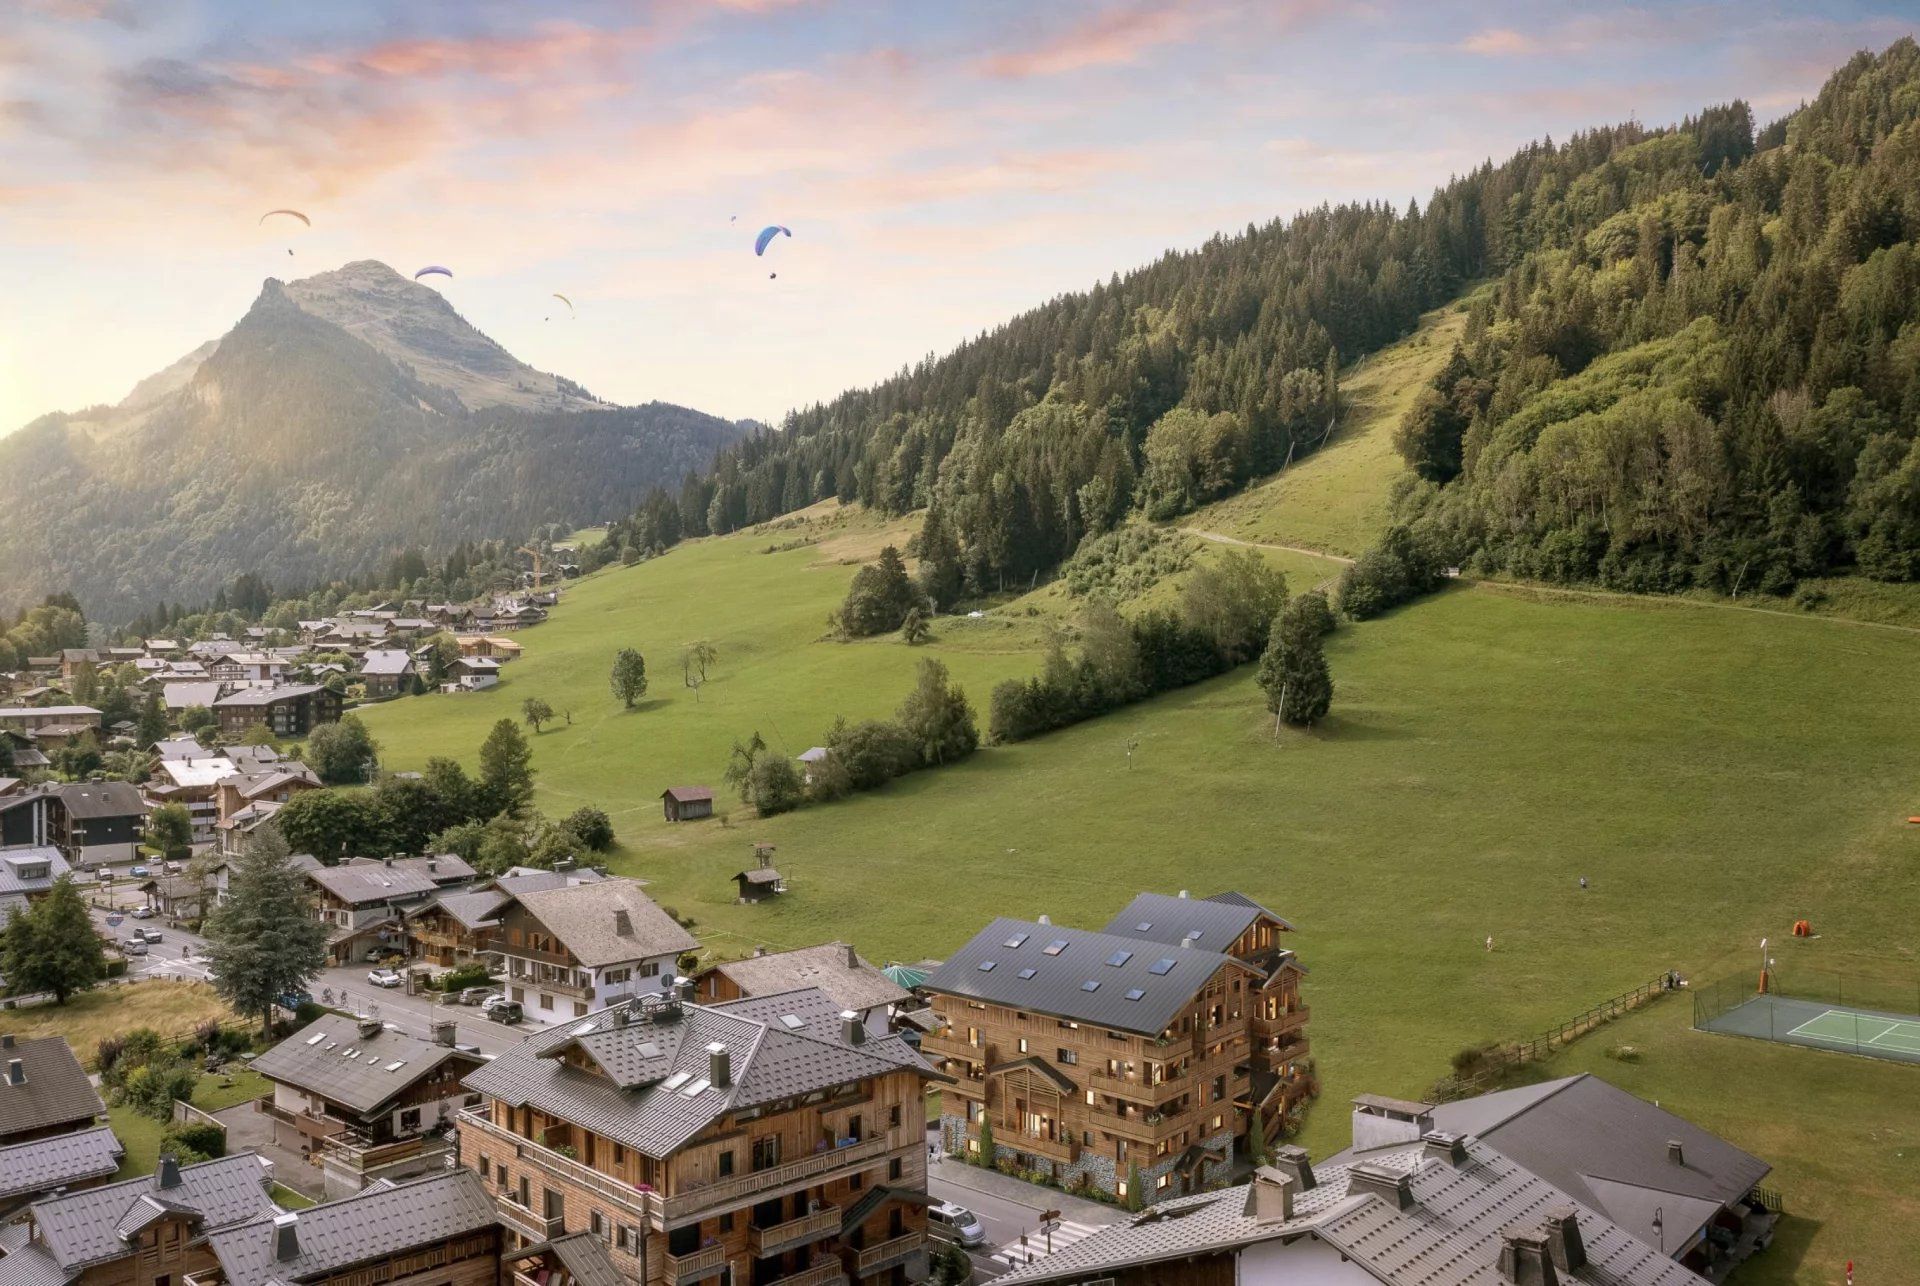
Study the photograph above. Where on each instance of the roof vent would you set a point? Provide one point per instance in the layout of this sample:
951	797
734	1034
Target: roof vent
623	923
1392	1186
851	1028
1292	1160
1269	1196
1046	919
168	1176
370	1027
719	1066
1676	1153
16	1072
1184	893
1564	1247
286	1237
6	1040
1450	1148
1524	1260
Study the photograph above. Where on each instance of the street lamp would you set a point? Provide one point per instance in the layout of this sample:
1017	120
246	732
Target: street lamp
1660	1226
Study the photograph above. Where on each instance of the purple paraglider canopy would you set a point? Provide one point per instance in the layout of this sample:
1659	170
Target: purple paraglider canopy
431	269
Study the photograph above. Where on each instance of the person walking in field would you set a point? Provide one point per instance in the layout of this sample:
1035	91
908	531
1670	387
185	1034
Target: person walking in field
1489	942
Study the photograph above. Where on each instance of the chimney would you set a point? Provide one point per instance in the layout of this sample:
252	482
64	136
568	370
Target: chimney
852	1030
6	1040
853	957
623	923
1269	1196
286	1237
719	1066
1524	1260
1450	1148
370	1028
1184	893
1046	919
1292	1160
1392	1186
168	1176
1564	1247
16	1072
1676	1153
433	865
759	951
685	986
443	1033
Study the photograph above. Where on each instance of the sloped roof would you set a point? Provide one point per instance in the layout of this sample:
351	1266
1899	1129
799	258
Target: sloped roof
688	794
386	661
526	879
643	1102
378	1224
356	883
330	1057
851	984
268	696
58	1161
1210	922
1142	993
583	918
1449	1236
82	1228
56	1089
101	799
16	862
473	910
583	1256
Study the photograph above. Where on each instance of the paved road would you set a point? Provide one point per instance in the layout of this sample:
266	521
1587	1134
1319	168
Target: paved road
1009	1209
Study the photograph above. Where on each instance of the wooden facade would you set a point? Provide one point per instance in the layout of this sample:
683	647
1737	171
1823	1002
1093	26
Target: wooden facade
165	1251
439	938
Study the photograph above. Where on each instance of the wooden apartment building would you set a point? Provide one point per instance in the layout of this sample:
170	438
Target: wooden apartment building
1142	1048
770	1141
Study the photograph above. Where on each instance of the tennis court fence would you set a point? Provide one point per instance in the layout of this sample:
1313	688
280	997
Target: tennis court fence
1891	990
1866	1011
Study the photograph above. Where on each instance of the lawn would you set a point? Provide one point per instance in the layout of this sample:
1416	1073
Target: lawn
142	1135
170	1008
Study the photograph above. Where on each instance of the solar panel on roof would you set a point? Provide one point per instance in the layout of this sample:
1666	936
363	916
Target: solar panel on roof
1119	958
676	1080
1018	938
1055	947
1027	973
1134	993
1091	984
1163	965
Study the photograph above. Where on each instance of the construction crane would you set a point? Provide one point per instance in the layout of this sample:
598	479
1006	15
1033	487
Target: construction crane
538	564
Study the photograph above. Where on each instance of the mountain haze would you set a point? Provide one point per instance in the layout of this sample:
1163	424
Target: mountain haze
344	416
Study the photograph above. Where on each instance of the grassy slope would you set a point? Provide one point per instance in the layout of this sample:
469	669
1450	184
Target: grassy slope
1716	774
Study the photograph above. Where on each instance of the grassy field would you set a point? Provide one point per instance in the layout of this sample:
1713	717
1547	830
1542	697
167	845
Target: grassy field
142	1135
170	1008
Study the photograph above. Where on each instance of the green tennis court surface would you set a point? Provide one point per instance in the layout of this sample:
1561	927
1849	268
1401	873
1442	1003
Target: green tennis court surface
1819	1025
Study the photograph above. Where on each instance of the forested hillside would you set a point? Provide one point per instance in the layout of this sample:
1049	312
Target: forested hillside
296	449
1696	365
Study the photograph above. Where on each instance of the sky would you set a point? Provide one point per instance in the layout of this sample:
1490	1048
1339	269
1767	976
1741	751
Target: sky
942	165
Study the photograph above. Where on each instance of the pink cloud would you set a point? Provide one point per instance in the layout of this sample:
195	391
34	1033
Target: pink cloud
1115	38
1499	42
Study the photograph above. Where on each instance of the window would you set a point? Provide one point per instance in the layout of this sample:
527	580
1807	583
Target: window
1119	958
726	1163
1091	984
1067	1056
855	1182
1164	965
986	966
597	1223
853	1128
726	1222
579	1009
1025	974
1217	1122
1161	1182
1055	947
556	1201
766	1152
894	1169
893	1117
1014	942
1133	993
546	1001
410	1119
617	975
486	1165
651	969
1023	1044
503	1178
1219	1088
627	1238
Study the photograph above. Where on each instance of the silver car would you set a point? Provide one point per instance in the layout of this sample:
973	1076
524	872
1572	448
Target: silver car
956	1223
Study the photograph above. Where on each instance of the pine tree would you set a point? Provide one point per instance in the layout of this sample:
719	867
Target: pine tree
51	946
1293	670
506	769
264	942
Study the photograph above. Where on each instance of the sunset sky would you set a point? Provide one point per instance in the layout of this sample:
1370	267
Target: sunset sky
942	165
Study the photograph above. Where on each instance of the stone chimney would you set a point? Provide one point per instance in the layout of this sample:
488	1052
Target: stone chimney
1269	1196
853	957
168	1175
370	1028
286	1237
852	1030
1524	1260
16	1071
1292	1160
1185	894
443	1033
1450	1148
1564	1247
6	1040
1045	919
623	923
1676	1153
719	1066
1392	1186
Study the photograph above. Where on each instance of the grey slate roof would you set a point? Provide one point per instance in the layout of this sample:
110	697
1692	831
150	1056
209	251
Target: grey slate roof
45	1164
581	1254
526	879
267	696
386	661
358	883
856	985
1449	1236
16	872
1211	922
101	799
83	1227
473	909
1057	982
582	917
1608	1149
55	1092
642	1100
316	1059
31	1266
372	1226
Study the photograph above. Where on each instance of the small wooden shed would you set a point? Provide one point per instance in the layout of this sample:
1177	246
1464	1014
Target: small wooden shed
759	884
687	803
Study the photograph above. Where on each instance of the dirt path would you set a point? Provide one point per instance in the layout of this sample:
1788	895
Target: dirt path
1220	538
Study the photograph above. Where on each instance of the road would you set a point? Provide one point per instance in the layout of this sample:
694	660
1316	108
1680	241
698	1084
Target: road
1009	1209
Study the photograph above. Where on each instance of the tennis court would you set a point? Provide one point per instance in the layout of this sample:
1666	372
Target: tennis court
1820	1025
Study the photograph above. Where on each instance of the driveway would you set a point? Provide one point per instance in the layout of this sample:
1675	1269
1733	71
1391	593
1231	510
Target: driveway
251	1130
1010	1210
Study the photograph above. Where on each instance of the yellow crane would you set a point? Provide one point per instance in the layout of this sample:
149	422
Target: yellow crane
538	564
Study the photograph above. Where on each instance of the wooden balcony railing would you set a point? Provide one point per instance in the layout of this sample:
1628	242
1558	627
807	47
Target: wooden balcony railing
1060	1150
1129	1089
1136	1129
622	1194
708	1261
765	1182
830	1273
364	1155
814	1226
308	1123
528	1224
945	1046
888	1253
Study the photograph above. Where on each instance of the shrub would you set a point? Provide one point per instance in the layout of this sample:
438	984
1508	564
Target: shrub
593	826
473	974
1126	563
202	1138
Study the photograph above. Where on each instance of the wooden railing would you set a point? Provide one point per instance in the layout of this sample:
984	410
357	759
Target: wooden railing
319	1127
528	1224
944	1046
706	1262
625	1195
811	1227
363	1155
1134	1128
1060	1150
758	1182
831	1273
888	1253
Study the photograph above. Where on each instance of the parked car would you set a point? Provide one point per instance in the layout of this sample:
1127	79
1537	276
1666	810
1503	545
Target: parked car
384	978
175	868
494	1001
956	1223
148	935
292	1000
140	872
134	947
479	995
143	913
506	1012
104	875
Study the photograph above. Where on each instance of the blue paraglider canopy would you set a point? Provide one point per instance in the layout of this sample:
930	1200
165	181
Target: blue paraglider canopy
431	269
767	234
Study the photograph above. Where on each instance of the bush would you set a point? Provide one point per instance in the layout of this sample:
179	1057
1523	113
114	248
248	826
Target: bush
593	826
203	1139
473	974
1126	563
773	785
1397	570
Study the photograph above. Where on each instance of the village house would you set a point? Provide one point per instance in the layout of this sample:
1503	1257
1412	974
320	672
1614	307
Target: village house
153	1229
44	1091
98	822
768	1140
247	667
220	878
60	1163
49	726
835	968
366	901
26	876
576	1259
1143	1048
367	1102
687	803
175	896
273	782
435	1231
289	710
473	674
75	660
569	950
386	672
456	928
189	774
482	645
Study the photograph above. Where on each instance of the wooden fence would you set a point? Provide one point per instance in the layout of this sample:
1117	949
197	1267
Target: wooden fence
1498	1058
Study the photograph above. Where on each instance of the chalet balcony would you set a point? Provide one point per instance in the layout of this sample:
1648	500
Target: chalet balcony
966	1087
827	1273
528	1224
363	1154
896	1250
311	1124
1131	1089
646	1205
1060	1150
558	984
807	1229
951	1047
1135	1129
763	1184
709	1261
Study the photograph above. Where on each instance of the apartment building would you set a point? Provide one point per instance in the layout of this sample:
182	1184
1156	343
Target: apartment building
579	947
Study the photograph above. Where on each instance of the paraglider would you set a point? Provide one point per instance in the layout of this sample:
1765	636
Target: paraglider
767	234
431	269
293	214
568	302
